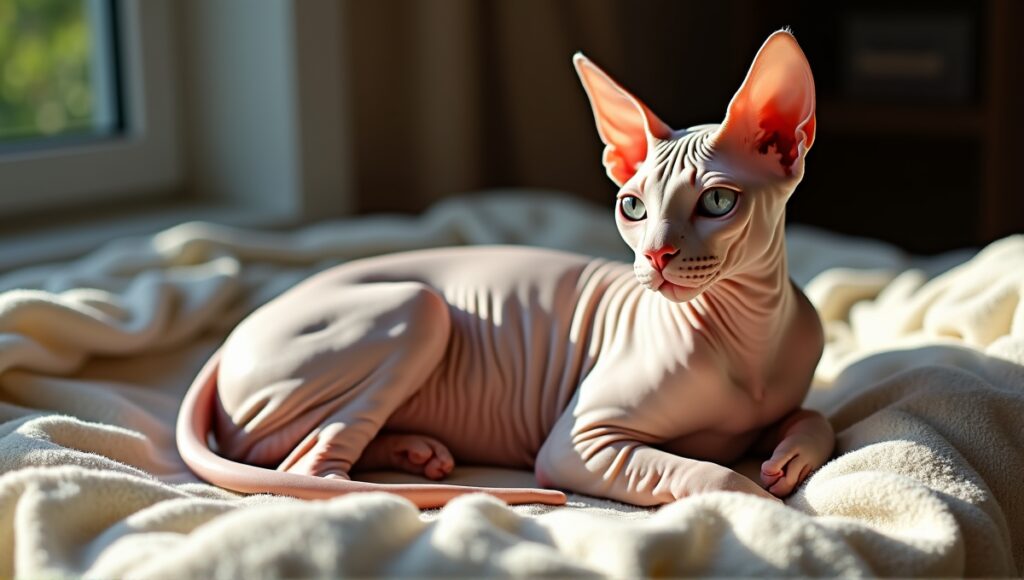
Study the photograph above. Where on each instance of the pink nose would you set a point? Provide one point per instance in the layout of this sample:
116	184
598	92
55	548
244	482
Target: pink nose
660	257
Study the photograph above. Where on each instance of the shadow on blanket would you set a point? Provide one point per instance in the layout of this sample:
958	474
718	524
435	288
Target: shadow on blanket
945	418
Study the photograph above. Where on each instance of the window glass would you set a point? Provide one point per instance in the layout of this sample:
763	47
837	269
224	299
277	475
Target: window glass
58	71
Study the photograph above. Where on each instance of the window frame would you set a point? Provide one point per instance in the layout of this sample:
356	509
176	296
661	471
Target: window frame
143	160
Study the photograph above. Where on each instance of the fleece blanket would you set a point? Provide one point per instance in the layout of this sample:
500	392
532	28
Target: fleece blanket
921	377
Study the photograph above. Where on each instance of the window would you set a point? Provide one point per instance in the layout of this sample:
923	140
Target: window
87	102
58	72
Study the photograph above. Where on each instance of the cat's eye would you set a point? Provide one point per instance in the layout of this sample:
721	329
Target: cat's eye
632	208
716	202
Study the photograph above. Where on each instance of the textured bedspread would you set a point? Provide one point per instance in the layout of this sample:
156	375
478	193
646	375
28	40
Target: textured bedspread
921	377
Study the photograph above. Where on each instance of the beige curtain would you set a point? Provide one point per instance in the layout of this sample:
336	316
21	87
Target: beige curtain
456	95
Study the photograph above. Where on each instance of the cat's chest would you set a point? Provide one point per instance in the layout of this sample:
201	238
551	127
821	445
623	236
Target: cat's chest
750	392
683	382
758	399
734	416
753	392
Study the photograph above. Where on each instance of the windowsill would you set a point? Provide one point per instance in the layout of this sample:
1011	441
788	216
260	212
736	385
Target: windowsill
42	239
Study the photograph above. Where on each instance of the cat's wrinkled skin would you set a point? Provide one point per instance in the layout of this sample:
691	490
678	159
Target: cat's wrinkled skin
538	359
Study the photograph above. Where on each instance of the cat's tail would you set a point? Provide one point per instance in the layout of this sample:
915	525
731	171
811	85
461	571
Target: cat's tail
193	429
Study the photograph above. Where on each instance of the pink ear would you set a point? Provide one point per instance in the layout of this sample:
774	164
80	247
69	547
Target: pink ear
772	115
626	125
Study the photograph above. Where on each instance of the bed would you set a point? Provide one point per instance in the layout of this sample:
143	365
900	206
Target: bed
922	378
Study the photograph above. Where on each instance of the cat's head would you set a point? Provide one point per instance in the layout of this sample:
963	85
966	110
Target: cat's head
705	203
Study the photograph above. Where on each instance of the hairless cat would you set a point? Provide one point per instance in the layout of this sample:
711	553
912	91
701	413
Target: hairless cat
635	382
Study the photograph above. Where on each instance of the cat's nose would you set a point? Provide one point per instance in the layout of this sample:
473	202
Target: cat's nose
660	257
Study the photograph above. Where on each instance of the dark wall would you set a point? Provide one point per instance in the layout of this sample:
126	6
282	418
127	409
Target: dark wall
917	129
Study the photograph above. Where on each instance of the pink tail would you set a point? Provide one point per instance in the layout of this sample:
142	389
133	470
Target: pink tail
194	421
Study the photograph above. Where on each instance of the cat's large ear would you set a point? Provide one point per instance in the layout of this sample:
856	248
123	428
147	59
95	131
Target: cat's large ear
772	115
625	124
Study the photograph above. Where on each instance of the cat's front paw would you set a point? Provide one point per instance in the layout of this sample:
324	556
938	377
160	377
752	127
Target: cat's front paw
714	477
794	459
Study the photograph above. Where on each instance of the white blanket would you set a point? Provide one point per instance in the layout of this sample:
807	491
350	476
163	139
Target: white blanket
921	377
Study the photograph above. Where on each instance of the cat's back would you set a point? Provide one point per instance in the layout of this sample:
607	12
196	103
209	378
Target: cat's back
508	288
452	268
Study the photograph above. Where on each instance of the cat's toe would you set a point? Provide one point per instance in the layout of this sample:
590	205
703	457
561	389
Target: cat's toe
437	469
416	451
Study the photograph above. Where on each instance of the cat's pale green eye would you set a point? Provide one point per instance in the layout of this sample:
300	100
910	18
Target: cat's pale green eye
632	208
716	202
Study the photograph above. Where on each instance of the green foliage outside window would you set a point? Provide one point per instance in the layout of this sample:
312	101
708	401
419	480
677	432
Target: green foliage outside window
45	68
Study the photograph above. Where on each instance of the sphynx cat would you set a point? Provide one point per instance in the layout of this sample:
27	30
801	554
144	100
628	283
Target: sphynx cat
635	382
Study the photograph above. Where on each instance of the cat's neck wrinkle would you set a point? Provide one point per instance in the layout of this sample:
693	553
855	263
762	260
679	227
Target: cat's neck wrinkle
747	312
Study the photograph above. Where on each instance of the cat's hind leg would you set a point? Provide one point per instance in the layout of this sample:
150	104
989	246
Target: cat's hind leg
326	368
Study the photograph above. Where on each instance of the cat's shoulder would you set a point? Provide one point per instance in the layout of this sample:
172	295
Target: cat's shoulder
807	328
